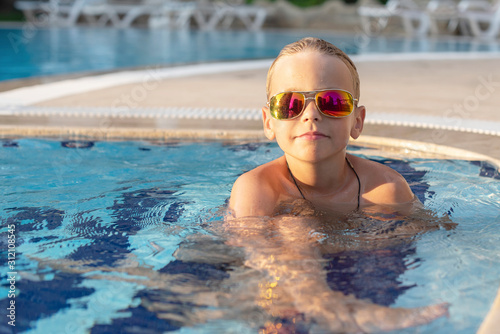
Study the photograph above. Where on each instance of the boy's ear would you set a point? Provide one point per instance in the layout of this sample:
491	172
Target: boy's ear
359	121
268	124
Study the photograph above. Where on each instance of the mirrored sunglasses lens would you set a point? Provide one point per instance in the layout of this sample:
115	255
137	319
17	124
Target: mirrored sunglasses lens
286	105
335	103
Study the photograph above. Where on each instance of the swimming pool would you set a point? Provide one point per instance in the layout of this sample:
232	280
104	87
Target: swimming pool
29	51
141	247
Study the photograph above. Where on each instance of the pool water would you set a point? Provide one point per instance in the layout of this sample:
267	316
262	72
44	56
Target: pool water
29	51
122	237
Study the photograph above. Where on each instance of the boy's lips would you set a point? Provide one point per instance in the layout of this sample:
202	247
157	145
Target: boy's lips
313	135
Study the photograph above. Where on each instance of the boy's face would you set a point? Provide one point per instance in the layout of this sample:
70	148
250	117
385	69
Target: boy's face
312	136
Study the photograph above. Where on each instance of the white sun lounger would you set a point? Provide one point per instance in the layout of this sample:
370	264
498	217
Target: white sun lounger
104	12
31	9
479	13
160	13
67	12
211	15
119	15
416	21
443	11
174	14
51	12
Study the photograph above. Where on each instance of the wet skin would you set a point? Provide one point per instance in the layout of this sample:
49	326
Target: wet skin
292	247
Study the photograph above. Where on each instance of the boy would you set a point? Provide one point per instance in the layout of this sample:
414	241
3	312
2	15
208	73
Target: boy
312	111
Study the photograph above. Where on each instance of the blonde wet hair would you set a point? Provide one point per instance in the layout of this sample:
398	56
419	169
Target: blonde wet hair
321	46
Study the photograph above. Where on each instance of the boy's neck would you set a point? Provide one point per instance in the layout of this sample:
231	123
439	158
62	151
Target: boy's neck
319	178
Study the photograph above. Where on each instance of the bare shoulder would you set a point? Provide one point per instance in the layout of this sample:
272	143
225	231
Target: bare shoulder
381	184
256	193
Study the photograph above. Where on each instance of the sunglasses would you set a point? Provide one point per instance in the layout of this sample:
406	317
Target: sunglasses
334	103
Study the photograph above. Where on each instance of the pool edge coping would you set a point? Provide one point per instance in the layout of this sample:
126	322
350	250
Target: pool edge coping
424	149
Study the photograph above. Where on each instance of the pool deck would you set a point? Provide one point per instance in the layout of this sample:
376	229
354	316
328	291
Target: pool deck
439	99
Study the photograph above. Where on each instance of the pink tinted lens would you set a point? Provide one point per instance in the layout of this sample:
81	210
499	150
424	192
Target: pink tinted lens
286	105
335	103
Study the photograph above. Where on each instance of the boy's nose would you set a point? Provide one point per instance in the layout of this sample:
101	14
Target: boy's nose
311	112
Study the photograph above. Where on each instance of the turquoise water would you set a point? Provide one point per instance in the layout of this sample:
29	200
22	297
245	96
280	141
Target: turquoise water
121	237
29	51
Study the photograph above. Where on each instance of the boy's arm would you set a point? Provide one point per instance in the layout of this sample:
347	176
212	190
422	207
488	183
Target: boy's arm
252	195
395	190
385	185
491	323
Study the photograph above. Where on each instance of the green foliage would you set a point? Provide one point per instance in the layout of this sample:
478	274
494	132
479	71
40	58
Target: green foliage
11	16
